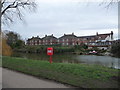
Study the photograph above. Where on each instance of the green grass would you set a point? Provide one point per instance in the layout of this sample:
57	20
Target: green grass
80	75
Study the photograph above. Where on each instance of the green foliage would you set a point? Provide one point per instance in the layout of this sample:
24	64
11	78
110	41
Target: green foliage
115	49
43	49
81	48
80	75
97	49
14	40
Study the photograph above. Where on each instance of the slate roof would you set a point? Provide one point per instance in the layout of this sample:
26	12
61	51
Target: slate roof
66	36
103	36
96	37
49	37
34	38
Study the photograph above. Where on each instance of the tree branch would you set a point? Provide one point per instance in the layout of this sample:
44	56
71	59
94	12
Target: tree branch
15	6
15	9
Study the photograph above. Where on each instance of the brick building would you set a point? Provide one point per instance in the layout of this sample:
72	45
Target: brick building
49	40
98	40
67	39
34	41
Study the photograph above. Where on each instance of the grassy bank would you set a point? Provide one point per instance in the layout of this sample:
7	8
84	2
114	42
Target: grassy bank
80	75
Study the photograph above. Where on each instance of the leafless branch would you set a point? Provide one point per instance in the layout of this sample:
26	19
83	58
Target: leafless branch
15	9
108	3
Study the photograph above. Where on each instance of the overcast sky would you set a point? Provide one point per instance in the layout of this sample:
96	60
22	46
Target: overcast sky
67	16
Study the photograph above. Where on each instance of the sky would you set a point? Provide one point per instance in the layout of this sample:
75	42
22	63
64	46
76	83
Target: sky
60	17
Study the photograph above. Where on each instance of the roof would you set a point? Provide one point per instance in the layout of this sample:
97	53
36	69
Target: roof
66	36
103	36
87	36
98	36
49	37
34	38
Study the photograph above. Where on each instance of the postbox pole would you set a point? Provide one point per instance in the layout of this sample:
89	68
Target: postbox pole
50	58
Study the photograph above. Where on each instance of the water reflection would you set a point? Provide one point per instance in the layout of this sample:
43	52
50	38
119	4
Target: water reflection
100	60
71	58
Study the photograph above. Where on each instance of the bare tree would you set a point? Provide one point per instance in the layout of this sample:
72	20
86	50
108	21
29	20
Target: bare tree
109	3
14	9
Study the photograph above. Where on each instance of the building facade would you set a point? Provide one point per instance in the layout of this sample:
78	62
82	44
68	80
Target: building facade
98	40
67	39
49	40
34	41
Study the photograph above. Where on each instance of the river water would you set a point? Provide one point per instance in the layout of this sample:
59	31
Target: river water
107	61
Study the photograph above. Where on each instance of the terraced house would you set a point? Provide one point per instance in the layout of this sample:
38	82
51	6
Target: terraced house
34	41
49	40
98	40
67	39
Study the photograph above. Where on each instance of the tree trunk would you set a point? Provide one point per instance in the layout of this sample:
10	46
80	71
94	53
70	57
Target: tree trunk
0	16
0	33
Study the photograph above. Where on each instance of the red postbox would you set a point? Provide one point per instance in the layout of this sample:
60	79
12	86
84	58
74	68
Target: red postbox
50	53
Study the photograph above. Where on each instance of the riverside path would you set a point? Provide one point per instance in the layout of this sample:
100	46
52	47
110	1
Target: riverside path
12	79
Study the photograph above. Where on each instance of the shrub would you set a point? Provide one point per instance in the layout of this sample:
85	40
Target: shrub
115	49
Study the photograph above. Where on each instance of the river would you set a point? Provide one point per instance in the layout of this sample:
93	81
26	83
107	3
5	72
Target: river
107	61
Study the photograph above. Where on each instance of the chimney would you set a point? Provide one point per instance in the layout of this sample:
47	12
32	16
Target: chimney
111	35
45	35
73	33
37	36
97	33
52	35
111	32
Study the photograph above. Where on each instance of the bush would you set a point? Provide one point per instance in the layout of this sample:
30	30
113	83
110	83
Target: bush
42	49
115	49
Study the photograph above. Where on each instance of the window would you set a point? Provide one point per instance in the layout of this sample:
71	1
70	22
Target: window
51	40
67	39
99	37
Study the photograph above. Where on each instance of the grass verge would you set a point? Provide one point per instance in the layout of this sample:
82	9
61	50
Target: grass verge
79	75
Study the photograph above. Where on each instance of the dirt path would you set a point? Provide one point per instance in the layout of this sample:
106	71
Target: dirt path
12	79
